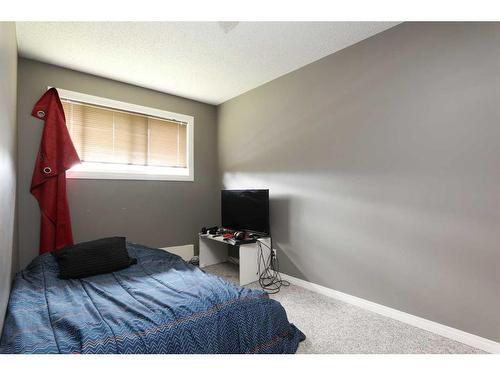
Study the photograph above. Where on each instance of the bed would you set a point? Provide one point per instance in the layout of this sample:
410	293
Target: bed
159	305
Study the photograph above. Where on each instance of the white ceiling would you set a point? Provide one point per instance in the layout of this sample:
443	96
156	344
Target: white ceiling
206	61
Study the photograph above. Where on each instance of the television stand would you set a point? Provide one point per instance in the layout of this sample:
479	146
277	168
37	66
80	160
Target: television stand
214	250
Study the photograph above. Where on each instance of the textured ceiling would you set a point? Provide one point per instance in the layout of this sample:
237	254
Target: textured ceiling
206	61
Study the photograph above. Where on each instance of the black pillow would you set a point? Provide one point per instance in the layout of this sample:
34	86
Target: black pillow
93	258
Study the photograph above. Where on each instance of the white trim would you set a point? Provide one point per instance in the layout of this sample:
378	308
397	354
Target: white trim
103	171
186	252
482	343
125	172
116	104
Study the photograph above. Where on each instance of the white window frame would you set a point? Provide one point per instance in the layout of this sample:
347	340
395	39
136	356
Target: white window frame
88	170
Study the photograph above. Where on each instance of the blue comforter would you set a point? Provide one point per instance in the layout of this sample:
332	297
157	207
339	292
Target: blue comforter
159	305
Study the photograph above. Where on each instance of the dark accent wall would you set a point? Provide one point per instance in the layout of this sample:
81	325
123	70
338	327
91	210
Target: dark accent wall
153	213
8	168
383	162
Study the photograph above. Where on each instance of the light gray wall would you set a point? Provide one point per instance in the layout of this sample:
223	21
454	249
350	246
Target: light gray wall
383	162
8	170
153	213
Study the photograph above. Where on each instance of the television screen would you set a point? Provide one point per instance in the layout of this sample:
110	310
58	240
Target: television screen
246	210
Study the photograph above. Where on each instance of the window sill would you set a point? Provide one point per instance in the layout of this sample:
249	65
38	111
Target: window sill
99	171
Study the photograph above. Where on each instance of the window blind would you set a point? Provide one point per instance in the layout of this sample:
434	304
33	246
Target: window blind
106	135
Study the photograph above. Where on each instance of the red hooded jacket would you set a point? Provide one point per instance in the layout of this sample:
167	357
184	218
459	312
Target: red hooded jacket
48	184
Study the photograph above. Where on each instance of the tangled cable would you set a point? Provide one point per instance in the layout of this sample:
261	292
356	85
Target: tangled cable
269	279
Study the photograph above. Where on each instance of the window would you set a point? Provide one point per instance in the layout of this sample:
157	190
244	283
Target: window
117	140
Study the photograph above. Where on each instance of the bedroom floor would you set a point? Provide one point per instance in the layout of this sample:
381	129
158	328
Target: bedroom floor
332	326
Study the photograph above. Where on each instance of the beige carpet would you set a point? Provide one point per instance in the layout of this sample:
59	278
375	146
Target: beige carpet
332	326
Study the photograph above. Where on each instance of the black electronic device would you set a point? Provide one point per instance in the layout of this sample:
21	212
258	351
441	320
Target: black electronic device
246	210
210	230
213	230
239	235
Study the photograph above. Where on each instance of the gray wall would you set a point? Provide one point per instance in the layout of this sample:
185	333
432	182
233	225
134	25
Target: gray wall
154	213
383	163
8	136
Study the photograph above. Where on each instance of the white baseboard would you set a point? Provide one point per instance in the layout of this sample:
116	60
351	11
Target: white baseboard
186	252
482	343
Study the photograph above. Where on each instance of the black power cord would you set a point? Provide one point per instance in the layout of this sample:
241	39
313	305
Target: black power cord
269	279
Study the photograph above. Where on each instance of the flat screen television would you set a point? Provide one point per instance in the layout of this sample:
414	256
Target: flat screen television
246	210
